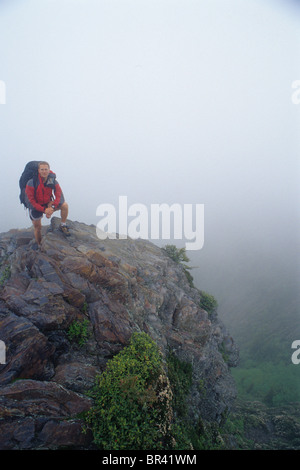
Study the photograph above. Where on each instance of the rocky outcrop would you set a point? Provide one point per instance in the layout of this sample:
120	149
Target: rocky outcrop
266	428
119	286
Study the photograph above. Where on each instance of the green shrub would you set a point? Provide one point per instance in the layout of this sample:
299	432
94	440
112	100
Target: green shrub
78	332
208	302
179	256
176	254
132	399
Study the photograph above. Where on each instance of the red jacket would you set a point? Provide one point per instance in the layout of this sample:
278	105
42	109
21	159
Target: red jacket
40	197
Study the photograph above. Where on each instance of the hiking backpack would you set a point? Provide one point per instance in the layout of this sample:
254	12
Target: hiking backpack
31	172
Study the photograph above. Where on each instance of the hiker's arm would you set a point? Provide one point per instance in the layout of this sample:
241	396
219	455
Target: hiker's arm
49	211
32	201
57	193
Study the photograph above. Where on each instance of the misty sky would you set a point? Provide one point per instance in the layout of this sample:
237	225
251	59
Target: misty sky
164	101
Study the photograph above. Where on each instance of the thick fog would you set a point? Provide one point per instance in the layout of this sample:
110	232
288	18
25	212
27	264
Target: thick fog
188	102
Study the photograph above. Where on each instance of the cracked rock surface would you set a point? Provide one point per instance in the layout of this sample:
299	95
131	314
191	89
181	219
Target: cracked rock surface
119	286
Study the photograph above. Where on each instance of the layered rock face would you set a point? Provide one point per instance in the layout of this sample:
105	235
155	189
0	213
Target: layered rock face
119	286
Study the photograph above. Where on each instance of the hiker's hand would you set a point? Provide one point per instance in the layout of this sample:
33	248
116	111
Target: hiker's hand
49	211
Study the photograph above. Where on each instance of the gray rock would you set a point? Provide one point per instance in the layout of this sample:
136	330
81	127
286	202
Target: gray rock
120	286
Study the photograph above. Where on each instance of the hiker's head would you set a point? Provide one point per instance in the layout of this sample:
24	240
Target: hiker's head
44	169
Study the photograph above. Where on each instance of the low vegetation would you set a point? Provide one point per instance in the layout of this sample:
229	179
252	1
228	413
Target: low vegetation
140	402
208	302
78	332
180	257
4	275
132	400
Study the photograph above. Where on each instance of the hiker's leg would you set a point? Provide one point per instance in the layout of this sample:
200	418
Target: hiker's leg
37	224
64	210
36	218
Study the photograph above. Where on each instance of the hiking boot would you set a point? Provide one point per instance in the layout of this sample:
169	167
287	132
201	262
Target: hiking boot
65	230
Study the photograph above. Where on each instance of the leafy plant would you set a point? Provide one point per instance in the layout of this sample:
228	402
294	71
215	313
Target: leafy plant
208	302
179	256
78	332
132	399
176	254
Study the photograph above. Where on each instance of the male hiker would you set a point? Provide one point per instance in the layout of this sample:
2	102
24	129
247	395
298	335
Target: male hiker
40	200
